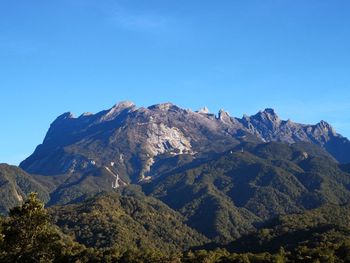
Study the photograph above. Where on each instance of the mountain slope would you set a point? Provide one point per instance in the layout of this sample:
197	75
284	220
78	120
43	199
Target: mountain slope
15	185
126	220
127	138
126	145
227	195
130	139
319	227
267	126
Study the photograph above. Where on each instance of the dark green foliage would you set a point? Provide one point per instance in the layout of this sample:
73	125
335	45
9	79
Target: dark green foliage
15	185
127	220
28	235
222	255
316	228
1	231
78	187
321	235
262	200
241	189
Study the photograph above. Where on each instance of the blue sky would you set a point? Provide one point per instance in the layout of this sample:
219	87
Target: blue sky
240	55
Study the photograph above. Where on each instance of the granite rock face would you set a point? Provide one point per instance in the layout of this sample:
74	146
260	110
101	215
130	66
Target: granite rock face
134	139
129	137
267	126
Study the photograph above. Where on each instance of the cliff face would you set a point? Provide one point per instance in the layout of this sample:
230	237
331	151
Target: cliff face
130	138
220	175
130	141
267	126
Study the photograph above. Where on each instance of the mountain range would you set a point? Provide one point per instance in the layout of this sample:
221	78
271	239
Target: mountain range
130	139
214	176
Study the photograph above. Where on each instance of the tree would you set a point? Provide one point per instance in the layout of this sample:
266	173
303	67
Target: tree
28	234
1	235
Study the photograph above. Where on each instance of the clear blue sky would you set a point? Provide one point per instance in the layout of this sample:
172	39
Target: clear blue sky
240	55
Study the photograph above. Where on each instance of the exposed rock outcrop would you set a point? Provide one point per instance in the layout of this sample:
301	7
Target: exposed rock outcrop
135	138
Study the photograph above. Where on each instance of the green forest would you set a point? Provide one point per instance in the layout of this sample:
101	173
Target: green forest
270	203
30	234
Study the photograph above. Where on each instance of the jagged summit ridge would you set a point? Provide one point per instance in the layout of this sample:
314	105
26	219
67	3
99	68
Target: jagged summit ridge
135	138
65	116
204	110
117	109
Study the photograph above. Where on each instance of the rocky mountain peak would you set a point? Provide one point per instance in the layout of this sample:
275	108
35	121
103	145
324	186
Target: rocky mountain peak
127	135
326	127
269	111
86	114
117	109
163	106
223	115
65	116
268	115
203	110
124	105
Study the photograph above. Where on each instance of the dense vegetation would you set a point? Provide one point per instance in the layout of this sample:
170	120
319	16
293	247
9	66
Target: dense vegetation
15	185
320	235
254	203
243	189
218	197
126	220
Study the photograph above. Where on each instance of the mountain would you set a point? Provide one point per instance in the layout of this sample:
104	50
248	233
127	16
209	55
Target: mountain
267	126
128	139
318	235
233	192
126	220
127	144
220	196
144	230
15	185
168	178
327	225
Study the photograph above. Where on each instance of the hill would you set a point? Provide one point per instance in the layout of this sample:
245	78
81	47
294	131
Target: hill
15	185
126	220
235	191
